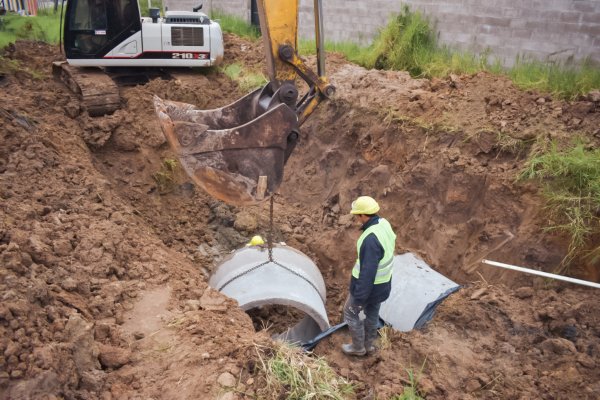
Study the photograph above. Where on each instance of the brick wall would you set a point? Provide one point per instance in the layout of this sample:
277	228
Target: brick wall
239	8
544	29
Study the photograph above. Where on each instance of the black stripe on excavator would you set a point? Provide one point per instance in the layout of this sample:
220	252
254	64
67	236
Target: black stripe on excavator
170	55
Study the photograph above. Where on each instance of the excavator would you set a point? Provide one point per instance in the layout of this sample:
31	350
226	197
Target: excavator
237	153
113	34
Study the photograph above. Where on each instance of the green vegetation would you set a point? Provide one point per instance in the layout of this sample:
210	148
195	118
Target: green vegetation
237	26
44	27
560	80
153	4
165	177
510	145
291	374
411	392
245	79
385	337
406	43
8	66
409	43
11	67
571	178
352	51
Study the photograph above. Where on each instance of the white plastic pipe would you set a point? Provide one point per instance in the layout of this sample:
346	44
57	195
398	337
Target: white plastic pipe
541	273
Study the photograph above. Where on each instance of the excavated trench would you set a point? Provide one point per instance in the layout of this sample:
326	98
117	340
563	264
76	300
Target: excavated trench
432	186
95	222
446	188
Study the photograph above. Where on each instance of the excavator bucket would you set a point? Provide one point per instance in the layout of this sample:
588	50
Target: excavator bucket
235	153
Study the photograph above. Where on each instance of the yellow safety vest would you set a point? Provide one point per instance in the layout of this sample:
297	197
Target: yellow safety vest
386	236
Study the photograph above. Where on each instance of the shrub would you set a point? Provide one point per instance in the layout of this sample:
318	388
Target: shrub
571	179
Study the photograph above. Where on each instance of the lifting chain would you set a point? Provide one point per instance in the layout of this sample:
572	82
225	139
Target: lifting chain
271	260
270	234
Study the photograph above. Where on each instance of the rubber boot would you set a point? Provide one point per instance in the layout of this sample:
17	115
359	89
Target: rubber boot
357	347
370	337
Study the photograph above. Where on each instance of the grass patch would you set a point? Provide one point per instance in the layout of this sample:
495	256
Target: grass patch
390	117
44	27
405	43
353	52
571	180
409	43
165	177
12	67
291	374
561	80
236	25
510	145
8	66
246	80
385	337
411	392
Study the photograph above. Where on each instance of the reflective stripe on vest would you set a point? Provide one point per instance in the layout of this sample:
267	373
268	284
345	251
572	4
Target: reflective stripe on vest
387	238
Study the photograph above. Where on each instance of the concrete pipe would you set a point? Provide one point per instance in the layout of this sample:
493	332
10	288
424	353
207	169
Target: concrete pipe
291	279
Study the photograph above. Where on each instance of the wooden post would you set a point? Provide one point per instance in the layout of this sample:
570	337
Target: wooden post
261	187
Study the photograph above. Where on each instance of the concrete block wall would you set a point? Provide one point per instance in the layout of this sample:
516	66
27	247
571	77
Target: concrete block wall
543	29
185	5
238	8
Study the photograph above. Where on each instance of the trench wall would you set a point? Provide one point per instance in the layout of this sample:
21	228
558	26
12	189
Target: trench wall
543	29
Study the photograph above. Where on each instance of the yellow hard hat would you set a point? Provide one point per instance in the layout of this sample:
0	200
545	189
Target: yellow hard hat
256	241
364	205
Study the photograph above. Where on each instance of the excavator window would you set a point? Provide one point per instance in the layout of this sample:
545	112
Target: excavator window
94	27
88	23
89	15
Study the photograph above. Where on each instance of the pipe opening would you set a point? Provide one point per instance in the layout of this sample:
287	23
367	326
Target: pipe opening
286	295
275	318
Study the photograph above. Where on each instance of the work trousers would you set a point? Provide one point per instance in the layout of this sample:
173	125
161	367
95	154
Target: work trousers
365	331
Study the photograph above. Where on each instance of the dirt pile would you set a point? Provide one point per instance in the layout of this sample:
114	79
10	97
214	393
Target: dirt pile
105	253
77	259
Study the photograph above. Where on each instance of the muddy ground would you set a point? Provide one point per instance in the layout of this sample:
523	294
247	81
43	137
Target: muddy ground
105	255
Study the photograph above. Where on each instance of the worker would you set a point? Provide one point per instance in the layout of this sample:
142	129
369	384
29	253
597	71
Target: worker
371	280
255	241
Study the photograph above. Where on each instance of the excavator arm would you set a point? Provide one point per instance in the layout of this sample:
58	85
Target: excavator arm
237	153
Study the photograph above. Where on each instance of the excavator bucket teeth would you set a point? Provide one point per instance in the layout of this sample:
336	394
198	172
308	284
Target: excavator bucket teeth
230	152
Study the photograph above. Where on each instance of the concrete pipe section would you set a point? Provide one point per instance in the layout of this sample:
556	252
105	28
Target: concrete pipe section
291	279
417	290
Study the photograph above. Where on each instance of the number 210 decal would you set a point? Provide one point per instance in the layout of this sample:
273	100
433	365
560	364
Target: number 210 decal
188	56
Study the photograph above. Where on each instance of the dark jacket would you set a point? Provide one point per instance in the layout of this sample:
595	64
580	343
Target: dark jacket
363	289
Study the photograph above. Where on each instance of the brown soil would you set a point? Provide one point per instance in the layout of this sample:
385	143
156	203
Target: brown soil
104	261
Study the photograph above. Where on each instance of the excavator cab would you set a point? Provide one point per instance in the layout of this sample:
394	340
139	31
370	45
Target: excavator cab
94	27
237	153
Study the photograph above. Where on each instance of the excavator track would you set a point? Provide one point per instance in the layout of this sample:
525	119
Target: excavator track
98	92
